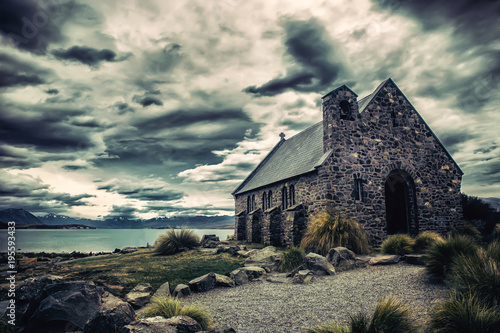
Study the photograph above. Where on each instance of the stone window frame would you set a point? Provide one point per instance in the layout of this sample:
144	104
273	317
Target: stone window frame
249	208
284	198
264	201
358	189
269	199
291	194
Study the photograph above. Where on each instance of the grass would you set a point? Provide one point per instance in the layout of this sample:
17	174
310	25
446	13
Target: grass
464	313
330	328
175	239
400	244
291	259
169	307
127	270
440	256
329	229
425	240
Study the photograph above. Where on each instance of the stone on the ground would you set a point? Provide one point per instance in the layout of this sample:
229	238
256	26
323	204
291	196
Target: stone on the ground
180	324
129	249
267	257
111	316
140	295
242	253
343	259
181	290
73	303
416	259
203	283
224	281
254	273
29	294
220	330
222	249
209	241
163	291
239	276
384	260
302	277
317	264
233	250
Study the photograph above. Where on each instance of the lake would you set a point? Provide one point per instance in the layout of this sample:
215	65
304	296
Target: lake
86	240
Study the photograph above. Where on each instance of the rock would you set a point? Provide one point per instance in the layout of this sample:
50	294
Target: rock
140	295
239	276
203	283
66	304
222	249
302	277
317	264
384	260
181	324
111	316
224	281
416	259
220	330
129	249
117	250
181	290
234	250
251	252
210	241
343	259
163	291
267	257
29	294
242	253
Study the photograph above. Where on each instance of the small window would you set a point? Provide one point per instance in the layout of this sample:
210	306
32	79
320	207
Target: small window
394	119
345	110
249	209
292	195
269	199
264	201
284	198
358	189
253	202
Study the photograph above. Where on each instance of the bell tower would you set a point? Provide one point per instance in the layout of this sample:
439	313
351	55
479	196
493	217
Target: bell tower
340	113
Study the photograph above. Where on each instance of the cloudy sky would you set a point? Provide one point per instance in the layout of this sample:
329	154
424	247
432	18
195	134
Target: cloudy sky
158	108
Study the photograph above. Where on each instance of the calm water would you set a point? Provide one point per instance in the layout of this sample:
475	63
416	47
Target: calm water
86	240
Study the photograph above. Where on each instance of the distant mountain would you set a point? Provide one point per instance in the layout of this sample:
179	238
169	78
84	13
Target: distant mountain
20	216
494	203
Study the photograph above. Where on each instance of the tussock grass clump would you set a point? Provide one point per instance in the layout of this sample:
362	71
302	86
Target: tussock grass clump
169	307
400	244
425	240
174	240
493	251
329	229
291	259
390	316
440	256
464	313
468	229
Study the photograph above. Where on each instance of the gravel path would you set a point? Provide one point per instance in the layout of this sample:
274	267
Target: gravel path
280	306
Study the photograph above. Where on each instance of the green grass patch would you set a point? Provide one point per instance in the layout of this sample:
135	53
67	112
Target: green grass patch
127	270
291	259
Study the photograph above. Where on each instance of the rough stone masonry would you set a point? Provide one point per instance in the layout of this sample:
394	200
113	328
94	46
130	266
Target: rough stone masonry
373	159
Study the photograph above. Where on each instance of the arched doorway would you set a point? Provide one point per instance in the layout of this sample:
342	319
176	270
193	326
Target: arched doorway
400	203
256	229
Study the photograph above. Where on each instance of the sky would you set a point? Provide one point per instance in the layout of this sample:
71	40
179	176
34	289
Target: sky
156	108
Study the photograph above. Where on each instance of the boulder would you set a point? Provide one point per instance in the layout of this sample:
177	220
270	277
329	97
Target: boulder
163	291
317	264
181	290
239	276
416	259
129	249
209	241
181	324
222	249
140	295
343	259
384	260
233	250
224	281
267	257
302	277
111	316
203	283
29	294
254	273
69	304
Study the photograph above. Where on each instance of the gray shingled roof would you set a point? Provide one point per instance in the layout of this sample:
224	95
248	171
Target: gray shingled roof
295	156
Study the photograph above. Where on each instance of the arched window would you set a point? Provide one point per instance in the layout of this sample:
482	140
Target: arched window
292	195
284	198
264	201
394	119
269	199
345	110
253	201
249	209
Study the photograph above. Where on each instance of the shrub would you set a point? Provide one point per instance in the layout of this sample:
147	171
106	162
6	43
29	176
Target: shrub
174	240
392	315
440	256
329	328
169	307
493	250
464	313
468	229
328	229
478	273
400	244
291	259
425	240
360	323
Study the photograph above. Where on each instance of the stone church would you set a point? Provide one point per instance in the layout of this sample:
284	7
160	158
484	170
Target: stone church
374	159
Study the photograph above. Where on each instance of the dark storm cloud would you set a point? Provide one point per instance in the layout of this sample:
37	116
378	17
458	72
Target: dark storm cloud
164	59
10	158
126	211
123	108
14	72
147	100
452	140
52	91
44	128
315	64
85	55
30	24
70	167
144	193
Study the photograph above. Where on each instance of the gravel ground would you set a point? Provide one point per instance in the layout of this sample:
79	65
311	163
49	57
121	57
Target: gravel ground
280	306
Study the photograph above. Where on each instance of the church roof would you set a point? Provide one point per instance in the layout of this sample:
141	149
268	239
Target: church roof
289	158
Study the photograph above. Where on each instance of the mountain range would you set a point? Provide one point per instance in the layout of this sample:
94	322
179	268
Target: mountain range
22	216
